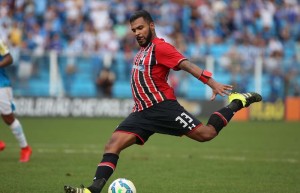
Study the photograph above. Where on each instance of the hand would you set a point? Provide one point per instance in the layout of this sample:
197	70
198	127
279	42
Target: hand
218	88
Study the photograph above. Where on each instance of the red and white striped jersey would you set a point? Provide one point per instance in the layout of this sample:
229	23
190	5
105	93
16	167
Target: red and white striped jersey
150	72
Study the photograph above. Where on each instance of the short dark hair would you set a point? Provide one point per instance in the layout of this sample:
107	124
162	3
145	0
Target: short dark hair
141	13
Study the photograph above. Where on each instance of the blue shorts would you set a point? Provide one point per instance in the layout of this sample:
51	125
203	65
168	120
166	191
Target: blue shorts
6	101
167	117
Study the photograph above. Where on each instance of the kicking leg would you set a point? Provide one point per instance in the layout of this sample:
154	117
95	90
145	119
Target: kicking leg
221	118
237	101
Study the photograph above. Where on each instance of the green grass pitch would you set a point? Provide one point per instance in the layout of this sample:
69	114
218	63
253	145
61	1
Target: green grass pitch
246	157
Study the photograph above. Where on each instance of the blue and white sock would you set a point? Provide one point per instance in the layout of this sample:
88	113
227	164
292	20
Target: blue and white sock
17	130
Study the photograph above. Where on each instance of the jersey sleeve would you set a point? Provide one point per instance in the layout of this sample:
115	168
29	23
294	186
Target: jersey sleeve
168	55
3	48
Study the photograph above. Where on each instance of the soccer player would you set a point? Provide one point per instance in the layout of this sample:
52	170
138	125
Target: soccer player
156	109
7	107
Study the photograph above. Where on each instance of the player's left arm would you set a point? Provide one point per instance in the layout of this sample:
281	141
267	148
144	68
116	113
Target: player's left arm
206	78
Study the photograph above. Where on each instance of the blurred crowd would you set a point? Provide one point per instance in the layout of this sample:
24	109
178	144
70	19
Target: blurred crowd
234	32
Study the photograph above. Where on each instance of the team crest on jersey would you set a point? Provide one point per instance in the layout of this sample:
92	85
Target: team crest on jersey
140	67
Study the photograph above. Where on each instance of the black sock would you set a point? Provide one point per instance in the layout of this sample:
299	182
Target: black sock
220	119
97	185
104	170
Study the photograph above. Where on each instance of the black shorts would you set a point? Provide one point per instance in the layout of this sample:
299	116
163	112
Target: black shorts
167	117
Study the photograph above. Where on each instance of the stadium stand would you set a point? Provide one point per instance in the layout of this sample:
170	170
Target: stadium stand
82	32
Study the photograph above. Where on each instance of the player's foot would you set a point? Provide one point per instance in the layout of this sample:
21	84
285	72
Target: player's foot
25	154
2	145
246	98
82	189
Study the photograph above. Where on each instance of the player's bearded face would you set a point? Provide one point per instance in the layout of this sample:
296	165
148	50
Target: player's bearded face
143	31
145	40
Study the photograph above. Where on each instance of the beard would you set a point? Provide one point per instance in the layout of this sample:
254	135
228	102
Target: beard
147	39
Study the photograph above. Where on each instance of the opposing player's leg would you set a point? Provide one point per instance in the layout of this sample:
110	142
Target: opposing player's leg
221	118
6	111
117	142
18	132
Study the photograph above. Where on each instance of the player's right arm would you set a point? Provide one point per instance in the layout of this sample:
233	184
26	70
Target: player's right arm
197	72
6	56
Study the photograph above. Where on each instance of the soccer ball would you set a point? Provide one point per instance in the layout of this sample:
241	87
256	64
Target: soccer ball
121	185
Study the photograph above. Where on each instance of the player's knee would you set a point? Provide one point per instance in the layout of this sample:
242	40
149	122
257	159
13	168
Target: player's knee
8	119
118	142
112	146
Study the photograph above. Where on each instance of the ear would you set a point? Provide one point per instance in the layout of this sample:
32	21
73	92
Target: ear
152	26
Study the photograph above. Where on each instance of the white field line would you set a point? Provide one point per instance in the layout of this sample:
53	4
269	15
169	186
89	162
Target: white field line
237	158
96	149
208	157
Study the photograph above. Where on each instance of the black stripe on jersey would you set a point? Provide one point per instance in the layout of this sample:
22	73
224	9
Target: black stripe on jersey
145	87
153	63
135	89
142	82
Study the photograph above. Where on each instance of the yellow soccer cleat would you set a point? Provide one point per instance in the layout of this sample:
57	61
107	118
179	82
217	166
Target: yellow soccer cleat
246	98
69	189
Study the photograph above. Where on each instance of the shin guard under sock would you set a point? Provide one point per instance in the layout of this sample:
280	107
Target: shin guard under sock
220	119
